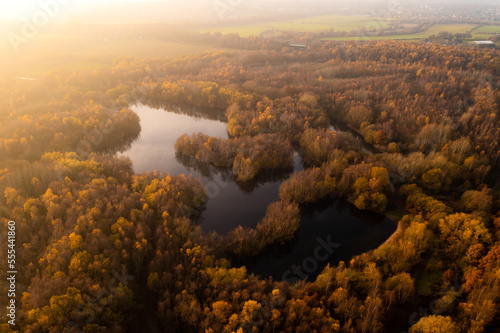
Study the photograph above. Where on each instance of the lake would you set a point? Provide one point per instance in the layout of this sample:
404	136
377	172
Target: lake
231	204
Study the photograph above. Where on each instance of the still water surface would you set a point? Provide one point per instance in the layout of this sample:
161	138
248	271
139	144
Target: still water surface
232	204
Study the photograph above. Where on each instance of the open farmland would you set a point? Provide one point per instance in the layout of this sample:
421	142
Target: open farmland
485	32
434	30
314	23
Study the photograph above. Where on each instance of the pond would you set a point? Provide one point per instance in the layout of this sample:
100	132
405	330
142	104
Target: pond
231	204
330	231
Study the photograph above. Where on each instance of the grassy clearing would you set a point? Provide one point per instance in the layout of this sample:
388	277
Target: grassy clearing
485	32
314	23
493	29
434	30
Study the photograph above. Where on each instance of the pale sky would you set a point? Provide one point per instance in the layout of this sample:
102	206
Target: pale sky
19	9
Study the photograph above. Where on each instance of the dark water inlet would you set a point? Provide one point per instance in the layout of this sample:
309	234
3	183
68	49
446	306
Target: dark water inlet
330	231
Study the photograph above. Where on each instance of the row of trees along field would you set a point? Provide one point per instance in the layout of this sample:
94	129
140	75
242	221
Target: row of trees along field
96	241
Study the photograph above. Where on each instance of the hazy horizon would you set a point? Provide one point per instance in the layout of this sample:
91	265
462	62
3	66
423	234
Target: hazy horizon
202	11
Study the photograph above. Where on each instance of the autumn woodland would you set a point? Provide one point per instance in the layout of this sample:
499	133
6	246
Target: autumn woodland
101	248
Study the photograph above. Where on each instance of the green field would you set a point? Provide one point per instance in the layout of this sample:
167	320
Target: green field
485	32
314	23
434	30
346	23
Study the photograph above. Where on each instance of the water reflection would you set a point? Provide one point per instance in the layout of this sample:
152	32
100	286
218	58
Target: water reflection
233	203
155	147
191	110
333	221
208	171
124	145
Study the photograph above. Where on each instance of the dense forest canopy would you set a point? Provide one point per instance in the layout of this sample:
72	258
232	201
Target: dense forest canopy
102	248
